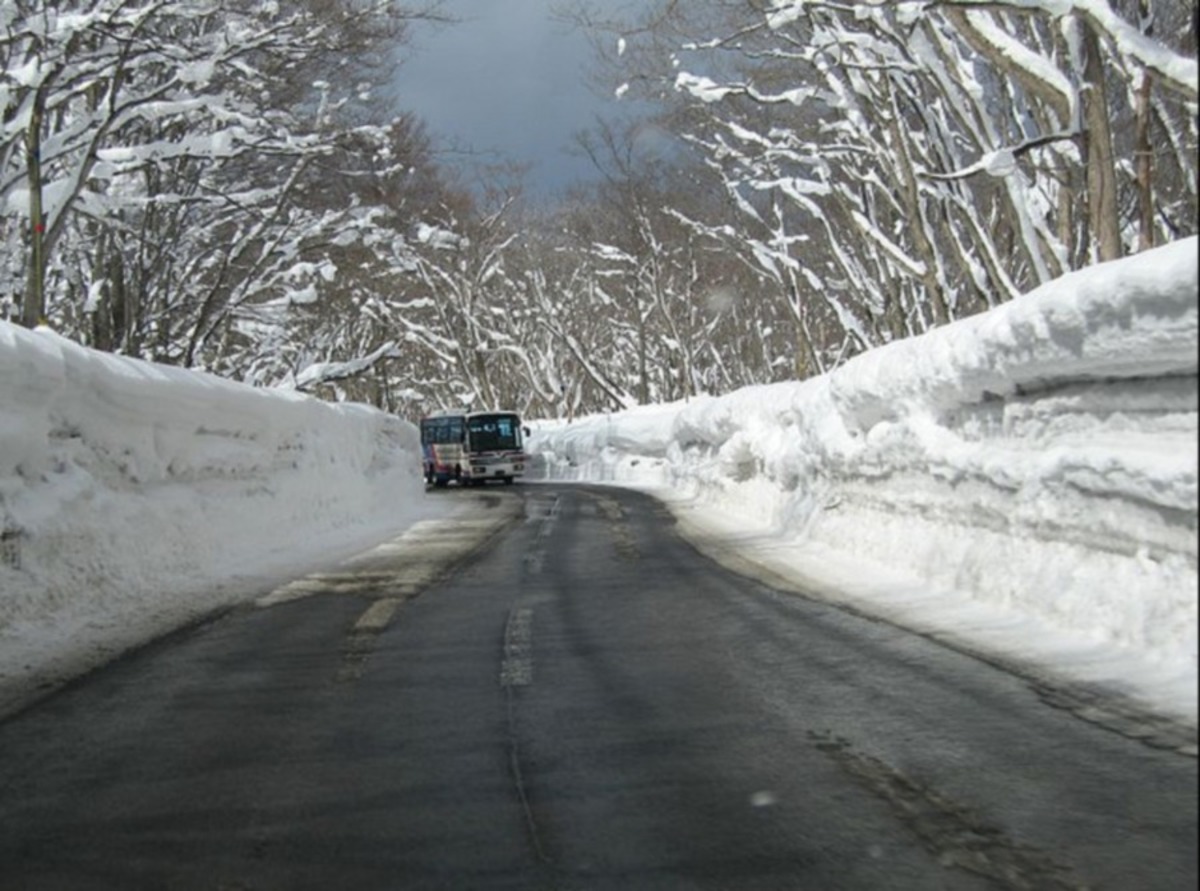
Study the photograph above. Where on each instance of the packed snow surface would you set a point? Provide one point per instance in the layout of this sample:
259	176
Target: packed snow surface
1023	481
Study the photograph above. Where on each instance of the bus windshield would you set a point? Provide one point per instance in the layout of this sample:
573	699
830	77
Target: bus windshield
436	431
494	433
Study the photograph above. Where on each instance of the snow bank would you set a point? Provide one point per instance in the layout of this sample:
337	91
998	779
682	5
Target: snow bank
134	497
1040	459
1026	472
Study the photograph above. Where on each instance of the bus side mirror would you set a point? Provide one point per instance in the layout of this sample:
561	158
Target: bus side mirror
526	431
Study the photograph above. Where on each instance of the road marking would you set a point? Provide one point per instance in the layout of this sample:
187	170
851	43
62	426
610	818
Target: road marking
535	559
517	671
360	641
377	616
517	668
405	565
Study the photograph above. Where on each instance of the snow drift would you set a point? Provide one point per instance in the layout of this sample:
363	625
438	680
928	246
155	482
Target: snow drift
133	496
1040	458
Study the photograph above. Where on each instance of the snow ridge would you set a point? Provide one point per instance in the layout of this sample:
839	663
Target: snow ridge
1039	460
136	497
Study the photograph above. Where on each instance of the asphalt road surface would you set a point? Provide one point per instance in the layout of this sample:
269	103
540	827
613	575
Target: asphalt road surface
584	703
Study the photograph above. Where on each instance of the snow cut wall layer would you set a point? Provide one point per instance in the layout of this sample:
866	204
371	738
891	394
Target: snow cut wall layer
1041	456
129	491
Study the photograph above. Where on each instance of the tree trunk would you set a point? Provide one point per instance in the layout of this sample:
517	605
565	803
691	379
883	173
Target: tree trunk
910	195
1143	157
643	369
33	311
101	333
1101	174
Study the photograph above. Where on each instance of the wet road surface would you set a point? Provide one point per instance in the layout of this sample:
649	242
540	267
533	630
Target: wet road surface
586	704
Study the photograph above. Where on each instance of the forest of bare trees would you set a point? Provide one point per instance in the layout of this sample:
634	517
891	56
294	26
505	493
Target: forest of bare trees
224	186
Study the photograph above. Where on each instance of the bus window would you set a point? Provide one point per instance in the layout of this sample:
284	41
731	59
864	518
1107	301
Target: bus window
438	431
493	433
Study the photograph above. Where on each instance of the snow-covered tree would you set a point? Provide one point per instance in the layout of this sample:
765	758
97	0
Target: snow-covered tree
893	165
155	159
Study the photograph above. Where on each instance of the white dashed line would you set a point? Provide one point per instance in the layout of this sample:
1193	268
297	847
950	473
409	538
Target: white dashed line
517	668
378	615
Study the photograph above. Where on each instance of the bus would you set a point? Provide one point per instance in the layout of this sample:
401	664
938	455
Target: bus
471	448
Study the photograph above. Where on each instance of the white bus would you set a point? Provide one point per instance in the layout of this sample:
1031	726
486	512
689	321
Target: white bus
471	448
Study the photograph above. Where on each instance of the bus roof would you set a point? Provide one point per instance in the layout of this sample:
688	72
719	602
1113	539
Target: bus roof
462	413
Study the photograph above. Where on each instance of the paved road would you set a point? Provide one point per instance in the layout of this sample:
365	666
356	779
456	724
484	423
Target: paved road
586	704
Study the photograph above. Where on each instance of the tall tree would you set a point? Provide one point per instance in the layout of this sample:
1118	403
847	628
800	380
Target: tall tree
906	163
180	123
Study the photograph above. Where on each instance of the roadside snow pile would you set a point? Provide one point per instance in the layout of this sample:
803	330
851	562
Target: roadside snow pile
1039	459
134	497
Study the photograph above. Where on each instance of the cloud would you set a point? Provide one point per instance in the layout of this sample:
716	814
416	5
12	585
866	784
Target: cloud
508	79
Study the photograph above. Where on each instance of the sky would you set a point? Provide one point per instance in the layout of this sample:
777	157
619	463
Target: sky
507	81
1022	483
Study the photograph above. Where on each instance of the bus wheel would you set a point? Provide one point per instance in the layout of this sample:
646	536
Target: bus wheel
508	481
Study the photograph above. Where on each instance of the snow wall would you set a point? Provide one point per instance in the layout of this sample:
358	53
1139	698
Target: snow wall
1041	456
133	496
